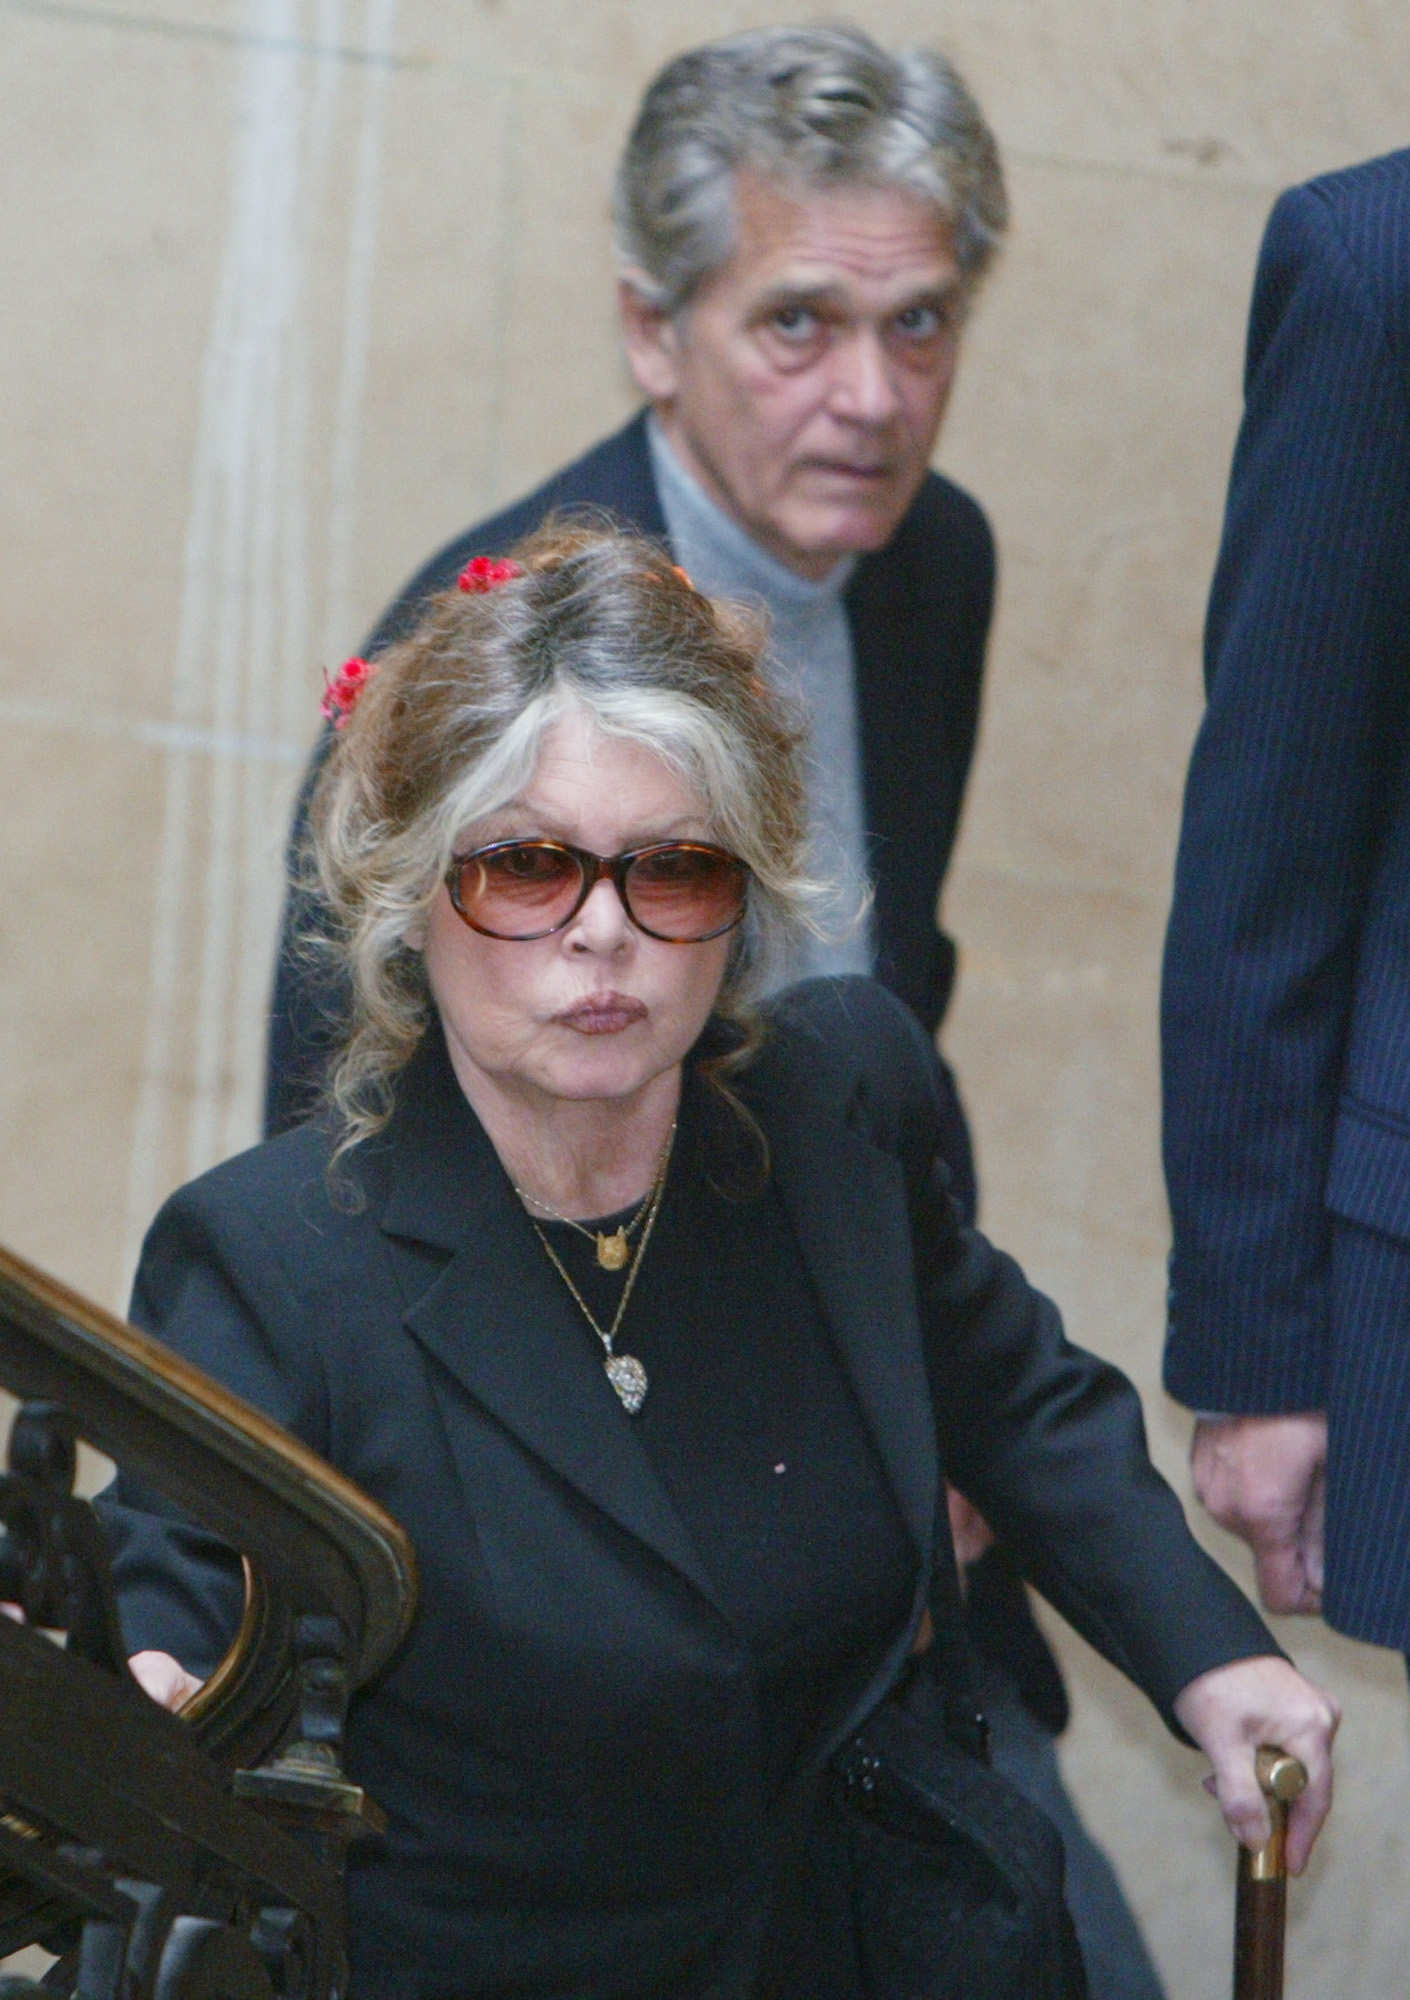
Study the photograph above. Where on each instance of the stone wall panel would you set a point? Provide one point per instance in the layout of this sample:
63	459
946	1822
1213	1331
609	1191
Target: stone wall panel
296	289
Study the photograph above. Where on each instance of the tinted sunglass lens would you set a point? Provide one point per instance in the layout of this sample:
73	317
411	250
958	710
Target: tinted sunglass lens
686	893
520	890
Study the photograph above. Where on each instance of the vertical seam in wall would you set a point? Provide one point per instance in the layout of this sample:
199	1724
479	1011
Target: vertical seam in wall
156	1079
265	529
244	630
278	584
353	360
505	271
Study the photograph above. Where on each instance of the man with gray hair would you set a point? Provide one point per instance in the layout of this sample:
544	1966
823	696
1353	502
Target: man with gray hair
802	220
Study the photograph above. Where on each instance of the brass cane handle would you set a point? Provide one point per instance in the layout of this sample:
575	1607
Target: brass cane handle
1261	1906
1282	1779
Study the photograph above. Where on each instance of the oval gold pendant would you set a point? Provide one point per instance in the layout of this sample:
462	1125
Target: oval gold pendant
628	1378
612	1252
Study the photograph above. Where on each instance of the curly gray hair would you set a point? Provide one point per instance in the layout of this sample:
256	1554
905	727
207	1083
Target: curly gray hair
815	107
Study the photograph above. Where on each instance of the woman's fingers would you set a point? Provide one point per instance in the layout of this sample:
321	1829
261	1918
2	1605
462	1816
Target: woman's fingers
969	1531
1232	1712
163	1678
1240	1795
157	1674
1307	1813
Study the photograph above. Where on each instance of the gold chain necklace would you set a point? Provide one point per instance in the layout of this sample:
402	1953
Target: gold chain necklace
612	1250
624	1371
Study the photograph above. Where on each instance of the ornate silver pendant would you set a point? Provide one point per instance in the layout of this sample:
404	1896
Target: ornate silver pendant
628	1378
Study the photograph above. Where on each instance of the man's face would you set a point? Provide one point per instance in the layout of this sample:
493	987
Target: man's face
805	382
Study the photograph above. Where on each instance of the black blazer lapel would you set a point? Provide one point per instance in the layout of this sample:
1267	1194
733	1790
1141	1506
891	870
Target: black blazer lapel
919	612
500	1323
847	1202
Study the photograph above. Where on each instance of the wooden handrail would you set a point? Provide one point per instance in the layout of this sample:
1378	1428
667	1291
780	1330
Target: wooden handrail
109	1806
313	1542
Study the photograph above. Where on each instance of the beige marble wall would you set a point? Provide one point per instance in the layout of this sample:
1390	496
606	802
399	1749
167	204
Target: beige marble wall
296	288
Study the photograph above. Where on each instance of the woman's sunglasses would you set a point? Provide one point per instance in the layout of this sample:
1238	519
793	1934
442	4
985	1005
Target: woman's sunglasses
679	891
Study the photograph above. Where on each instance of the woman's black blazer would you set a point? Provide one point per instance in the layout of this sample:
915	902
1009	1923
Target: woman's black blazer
567	1745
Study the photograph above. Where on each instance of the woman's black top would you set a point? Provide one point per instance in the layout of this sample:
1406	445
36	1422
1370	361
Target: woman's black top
570	1747
752	1426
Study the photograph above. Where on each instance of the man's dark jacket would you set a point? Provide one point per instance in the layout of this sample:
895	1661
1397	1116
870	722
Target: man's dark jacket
568	1745
1287	972
919	611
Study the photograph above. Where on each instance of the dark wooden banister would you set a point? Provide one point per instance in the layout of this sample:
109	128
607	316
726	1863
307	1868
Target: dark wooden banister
309	1535
140	1827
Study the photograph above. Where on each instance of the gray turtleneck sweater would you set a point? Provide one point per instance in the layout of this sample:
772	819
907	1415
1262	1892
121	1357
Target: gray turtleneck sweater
811	656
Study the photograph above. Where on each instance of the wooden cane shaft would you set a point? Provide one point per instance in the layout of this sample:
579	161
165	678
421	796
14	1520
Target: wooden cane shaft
1260	1909
1259	1918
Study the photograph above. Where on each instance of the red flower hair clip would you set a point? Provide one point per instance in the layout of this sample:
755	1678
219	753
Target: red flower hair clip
483	573
342	693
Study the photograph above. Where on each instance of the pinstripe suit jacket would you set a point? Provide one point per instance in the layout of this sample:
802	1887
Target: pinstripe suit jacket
1286	1011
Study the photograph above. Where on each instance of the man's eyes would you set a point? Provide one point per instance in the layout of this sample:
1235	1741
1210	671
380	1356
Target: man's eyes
799	325
924	322
795	322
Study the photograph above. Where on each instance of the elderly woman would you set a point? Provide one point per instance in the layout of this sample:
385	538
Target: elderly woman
636	1303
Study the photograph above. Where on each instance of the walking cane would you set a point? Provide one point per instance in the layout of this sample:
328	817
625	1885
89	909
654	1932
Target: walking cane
1260	1911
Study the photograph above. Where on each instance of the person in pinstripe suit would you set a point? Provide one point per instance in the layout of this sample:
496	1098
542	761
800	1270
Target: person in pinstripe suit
1286	1008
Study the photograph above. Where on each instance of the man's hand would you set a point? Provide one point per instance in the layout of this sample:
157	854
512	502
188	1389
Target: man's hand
1265	1479
1235	1709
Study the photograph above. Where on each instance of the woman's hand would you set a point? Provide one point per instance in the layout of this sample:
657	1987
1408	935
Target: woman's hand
157	1674
1235	1709
168	1682
969	1531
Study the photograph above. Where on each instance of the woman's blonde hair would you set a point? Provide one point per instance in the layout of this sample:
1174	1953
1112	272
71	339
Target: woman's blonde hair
450	728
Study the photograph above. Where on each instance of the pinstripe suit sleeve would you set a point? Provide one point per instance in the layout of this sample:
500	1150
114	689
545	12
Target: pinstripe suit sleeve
1305	653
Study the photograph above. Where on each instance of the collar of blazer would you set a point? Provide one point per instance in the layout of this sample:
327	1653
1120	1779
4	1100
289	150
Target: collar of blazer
496	1321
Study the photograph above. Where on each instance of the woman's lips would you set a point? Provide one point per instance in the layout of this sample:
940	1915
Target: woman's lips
603	1014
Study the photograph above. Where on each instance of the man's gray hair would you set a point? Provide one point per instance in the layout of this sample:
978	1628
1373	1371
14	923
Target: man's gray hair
814	108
